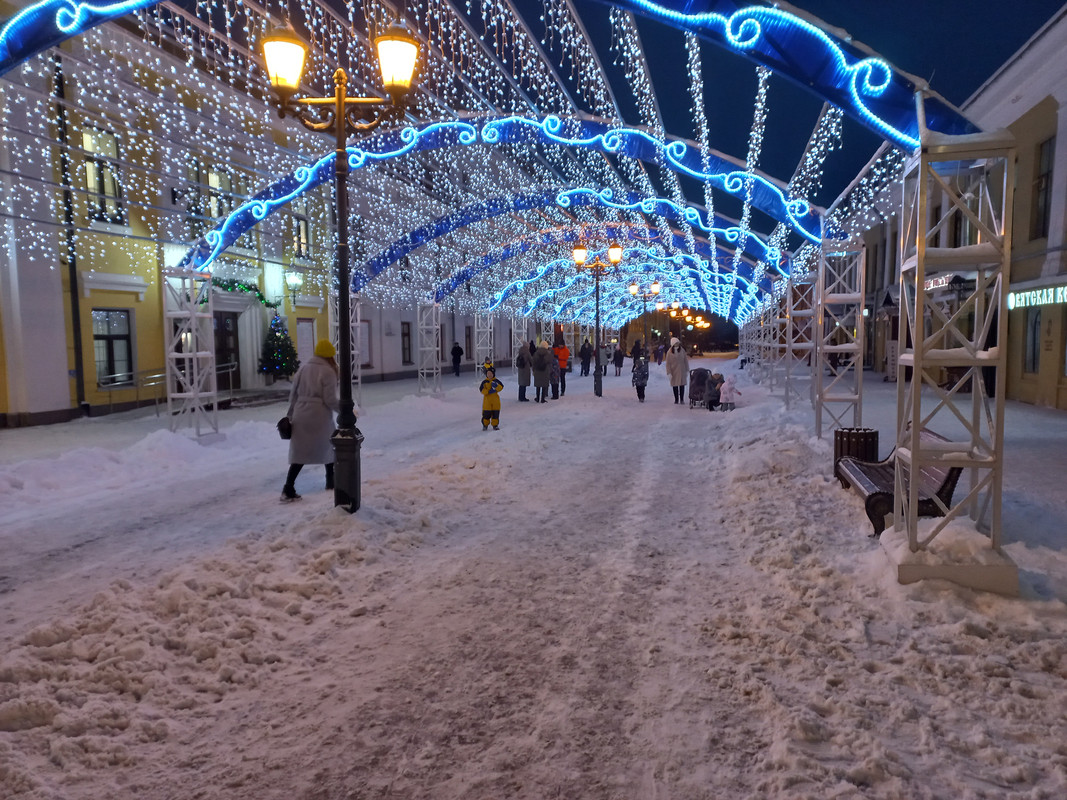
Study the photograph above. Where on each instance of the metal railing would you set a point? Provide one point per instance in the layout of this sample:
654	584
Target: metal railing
154	380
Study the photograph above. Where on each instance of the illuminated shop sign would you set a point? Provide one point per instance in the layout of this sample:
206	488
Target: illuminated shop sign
1037	297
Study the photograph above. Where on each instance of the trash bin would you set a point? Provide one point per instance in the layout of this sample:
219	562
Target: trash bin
859	443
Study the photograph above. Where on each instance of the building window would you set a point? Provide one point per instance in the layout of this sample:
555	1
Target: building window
1032	356
301	229
210	197
1041	212
113	346
101	176
468	342
405	342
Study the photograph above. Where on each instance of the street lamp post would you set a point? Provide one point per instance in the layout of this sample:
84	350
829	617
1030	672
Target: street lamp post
651	294
581	255
284	53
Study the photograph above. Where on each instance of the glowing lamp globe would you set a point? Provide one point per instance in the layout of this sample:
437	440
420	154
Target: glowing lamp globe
581	253
398	55
615	253
284	54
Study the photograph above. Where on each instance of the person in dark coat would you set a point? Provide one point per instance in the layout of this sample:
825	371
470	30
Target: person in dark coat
617	358
585	353
713	394
524	365
542	371
638	351
313	401
640	376
457	354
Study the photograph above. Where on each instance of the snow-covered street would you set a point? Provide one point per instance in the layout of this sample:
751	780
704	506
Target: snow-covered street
602	600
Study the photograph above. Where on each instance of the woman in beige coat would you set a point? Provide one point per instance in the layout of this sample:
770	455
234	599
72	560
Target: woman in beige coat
313	402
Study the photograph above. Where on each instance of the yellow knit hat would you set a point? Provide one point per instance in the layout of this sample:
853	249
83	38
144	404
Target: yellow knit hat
324	349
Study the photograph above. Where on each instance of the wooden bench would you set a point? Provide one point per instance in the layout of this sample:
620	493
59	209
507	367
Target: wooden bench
874	482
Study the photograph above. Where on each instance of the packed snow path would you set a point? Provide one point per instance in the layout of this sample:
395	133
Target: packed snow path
601	600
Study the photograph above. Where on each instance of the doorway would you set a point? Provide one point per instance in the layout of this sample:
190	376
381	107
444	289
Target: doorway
227	350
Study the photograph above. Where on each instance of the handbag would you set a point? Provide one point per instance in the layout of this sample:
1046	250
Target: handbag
285	428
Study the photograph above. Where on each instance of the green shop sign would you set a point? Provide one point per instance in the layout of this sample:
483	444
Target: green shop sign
1037	297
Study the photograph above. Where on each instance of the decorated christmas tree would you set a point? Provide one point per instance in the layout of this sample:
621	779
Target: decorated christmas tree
279	355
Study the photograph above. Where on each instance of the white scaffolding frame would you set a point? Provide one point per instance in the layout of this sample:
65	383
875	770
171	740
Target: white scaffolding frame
546	330
518	340
776	342
838	372
429	344
956	218
800	302
192	385
483	342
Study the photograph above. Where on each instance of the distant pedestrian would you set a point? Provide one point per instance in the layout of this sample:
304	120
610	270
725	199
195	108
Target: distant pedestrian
542	371
659	353
563	355
637	351
640	376
524	365
490	389
553	375
585	354
313	401
617	359
457	354
677	369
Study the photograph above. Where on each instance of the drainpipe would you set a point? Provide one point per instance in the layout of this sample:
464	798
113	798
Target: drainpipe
59	93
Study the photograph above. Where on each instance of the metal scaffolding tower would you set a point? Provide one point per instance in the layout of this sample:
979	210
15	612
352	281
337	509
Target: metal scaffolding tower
546	330
429	333
838	372
800	302
192	386
951	372
518	340
483	342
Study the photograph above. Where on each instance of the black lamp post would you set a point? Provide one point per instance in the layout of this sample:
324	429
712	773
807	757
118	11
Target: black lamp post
284	53
581	254
651	294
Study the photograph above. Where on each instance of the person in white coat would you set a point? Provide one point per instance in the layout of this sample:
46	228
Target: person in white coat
677	369
313	402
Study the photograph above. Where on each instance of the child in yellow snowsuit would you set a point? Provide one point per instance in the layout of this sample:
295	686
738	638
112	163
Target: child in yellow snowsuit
490	389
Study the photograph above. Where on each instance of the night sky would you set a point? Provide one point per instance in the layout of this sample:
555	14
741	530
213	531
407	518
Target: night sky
954	44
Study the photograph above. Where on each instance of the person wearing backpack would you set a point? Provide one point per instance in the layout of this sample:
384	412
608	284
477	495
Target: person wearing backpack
541	363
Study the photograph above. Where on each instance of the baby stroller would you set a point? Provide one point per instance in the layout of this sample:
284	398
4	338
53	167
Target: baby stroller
698	382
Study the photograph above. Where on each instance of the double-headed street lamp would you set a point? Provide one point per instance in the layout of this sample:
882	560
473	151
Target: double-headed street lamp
285	53
651	294
581	256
